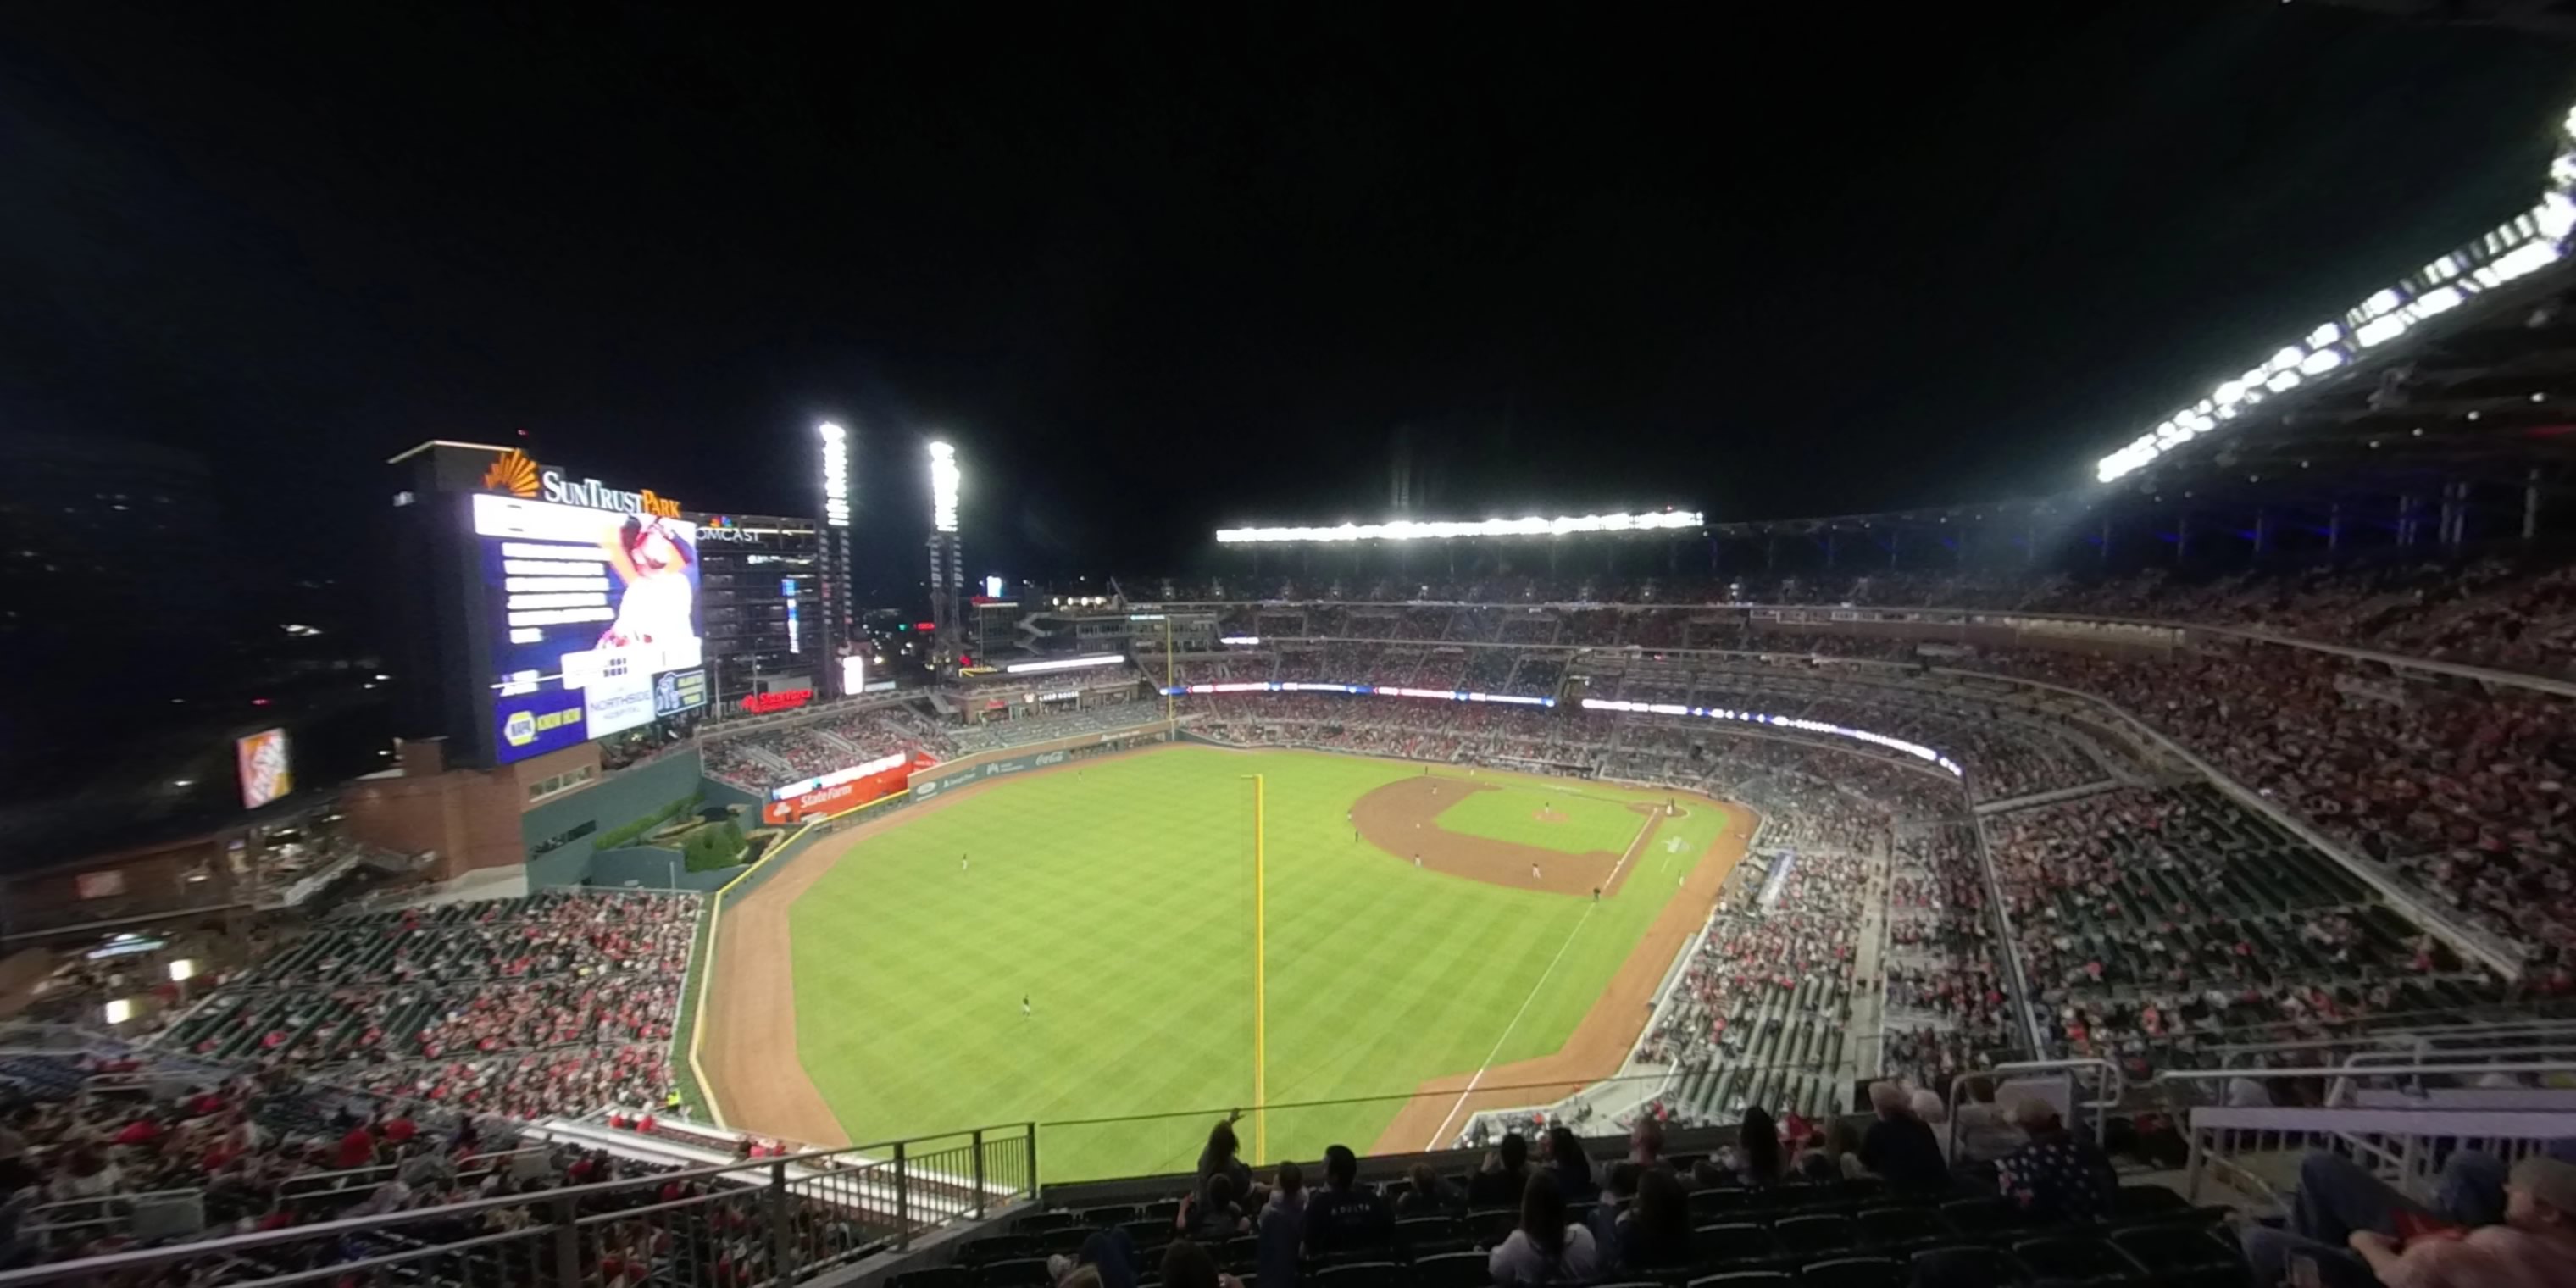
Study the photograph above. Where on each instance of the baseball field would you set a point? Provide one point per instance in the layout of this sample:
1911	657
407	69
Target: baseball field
1077	944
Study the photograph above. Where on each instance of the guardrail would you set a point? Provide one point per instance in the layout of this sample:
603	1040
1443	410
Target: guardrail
757	1221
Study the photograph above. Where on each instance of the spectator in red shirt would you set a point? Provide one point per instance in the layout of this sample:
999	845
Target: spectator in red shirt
356	1149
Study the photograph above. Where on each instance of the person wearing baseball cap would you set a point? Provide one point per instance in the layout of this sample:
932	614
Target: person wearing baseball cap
2535	1247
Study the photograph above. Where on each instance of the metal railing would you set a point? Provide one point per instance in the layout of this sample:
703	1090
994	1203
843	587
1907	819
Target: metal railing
738	1223
2400	1145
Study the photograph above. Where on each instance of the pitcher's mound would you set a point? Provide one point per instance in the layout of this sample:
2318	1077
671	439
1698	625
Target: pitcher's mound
1549	816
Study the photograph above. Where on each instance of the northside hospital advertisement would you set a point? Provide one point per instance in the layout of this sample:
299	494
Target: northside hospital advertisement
594	621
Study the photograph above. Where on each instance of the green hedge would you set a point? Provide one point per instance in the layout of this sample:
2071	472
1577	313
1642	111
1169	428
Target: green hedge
714	846
627	834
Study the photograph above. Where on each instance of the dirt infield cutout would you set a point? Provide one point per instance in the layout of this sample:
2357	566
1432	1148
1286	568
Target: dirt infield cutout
1402	818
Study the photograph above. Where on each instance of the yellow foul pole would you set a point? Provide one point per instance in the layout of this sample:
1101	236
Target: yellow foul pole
1260	987
1167	668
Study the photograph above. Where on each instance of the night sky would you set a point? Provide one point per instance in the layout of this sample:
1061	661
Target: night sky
1159	269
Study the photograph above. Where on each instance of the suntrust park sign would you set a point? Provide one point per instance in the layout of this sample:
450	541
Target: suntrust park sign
514	473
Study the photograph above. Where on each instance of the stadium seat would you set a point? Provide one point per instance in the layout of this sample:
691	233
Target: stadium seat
1898	1227
1105	1217
1491	1226
1968	1265
2183	1256
1068	1240
1718	1202
997	1247
1361	1274
1743	1279
1041	1222
1452	1270
1852	1272
1805	1236
2150	1202
1734	1241
2075	1259
1425	1236
1024	1272
1979	1218
935	1277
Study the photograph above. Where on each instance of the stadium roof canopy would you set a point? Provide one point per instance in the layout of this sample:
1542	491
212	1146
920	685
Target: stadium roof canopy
2485	393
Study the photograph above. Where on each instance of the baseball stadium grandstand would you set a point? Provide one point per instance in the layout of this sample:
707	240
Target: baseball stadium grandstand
2173	884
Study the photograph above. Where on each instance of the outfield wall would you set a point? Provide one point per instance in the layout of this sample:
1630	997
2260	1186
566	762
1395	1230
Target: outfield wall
612	802
995	764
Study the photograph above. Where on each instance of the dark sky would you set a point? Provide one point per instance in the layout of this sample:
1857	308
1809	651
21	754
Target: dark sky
1157	269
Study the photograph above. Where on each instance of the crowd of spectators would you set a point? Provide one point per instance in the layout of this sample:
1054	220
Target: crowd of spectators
2150	921
1949	1005
760	759
1760	1015
556	1002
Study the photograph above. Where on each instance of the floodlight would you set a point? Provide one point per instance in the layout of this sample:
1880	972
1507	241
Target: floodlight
944	480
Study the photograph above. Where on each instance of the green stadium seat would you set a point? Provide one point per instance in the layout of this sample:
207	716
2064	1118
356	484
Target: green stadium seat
1806	1236
1744	1279
935	1277
1963	1264
2183	1256
1733	1241
1362	1274
1041	1222
1898	1227
2077	1260
1452	1270
1025	1272
1105	1217
1853	1272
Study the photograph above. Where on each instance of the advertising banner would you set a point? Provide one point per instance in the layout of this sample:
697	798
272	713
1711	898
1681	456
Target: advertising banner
532	724
266	773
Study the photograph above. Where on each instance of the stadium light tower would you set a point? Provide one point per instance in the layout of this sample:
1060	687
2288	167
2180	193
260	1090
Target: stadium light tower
947	556
840	610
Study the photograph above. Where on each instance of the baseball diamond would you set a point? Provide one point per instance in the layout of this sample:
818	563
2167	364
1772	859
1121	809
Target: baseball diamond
1415	962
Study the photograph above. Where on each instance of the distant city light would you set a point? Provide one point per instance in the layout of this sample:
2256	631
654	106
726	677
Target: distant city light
1436	529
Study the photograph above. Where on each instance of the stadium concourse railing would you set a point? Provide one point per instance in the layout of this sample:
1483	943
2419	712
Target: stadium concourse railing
748	1222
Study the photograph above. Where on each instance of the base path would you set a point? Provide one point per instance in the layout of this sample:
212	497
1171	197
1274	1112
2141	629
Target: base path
1601	1042
1403	819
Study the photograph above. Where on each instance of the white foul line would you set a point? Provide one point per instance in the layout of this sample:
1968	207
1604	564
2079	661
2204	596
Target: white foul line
1443	1129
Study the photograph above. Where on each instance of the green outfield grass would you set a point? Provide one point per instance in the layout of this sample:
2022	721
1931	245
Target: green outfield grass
1119	901
1594	819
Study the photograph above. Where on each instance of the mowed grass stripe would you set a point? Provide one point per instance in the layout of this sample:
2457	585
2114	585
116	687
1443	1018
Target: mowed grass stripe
1119	900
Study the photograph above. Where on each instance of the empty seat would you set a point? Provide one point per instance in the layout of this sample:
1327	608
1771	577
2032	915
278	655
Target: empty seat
1743	1279
2076	1259
1898	1227
1361	1274
1115	1214
1068	1240
1808	1235
1977	1218
1733	1241
1968	1265
997	1247
1023	1272
1452	1270
1491	1226
1041	1222
1718	1201
1853	1272
935	1277
2182	1256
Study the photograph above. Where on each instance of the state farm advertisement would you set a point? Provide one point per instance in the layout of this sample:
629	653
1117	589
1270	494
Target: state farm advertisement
840	792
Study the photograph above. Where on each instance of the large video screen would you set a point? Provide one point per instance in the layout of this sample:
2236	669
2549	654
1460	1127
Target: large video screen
594	620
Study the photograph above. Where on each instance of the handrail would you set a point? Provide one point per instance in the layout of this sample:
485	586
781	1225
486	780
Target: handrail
2003	1072
2174	1076
2228	1053
565	1201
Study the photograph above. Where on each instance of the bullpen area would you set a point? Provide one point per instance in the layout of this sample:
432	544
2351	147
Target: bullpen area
1076	943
